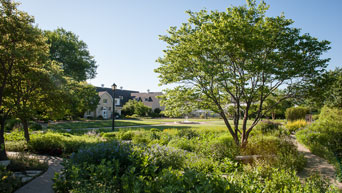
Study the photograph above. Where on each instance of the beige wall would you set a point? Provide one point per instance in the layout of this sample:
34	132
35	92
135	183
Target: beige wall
155	101
108	106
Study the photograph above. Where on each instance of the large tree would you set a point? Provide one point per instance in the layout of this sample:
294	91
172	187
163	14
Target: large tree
29	88
239	57
81	97
72	53
22	47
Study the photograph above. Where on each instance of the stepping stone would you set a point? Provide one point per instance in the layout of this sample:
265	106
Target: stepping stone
19	174
36	172
25	179
5	163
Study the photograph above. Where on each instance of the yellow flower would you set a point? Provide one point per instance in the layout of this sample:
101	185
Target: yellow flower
4	178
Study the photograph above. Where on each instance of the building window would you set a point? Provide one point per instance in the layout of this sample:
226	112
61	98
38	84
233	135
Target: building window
117	102
110	108
104	100
121	97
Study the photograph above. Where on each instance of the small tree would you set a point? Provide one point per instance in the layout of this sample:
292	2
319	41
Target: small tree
239	57
136	107
177	102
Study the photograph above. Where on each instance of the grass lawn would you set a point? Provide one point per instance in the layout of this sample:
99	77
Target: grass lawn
217	123
99	124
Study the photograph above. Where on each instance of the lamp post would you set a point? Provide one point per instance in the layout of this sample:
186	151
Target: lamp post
113	114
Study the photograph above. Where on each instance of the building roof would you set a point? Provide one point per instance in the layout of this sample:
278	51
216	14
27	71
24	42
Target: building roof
126	94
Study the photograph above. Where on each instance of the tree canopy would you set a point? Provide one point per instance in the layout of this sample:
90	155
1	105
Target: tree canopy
72	54
23	55
239	57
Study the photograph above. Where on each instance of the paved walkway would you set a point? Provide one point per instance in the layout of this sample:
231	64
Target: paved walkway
43	183
316	164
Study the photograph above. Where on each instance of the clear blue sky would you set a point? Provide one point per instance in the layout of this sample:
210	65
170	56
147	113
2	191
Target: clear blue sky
122	35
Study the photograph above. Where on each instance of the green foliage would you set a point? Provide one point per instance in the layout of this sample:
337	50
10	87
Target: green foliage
326	90
133	107
8	183
279	153
117	167
12	124
58	144
14	136
324	136
294	126
22	162
35	126
295	113
26	71
178	102
268	126
206	57
81	97
72	54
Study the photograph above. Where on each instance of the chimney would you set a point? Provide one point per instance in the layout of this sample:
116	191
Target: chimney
148	90
102	85
121	87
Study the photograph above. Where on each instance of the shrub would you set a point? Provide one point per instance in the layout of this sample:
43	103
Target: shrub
182	143
127	135
279	153
8	183
12	124
109	135
294	126
165	157
268	126
223	147
58	144
35	126
141	138
324	136
187	133
295	113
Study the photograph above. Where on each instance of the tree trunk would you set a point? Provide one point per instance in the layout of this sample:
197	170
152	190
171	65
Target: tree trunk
3	155
273	116
26	132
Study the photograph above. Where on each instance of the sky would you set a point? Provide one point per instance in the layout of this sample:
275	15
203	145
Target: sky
122	35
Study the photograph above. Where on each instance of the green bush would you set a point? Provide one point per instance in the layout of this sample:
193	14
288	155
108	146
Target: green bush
223	147
58	144
109	135
182	143
8	183
117	167
12	124
268	126
279	153
187	133
324	136
127	135
294	126
295	113
35	126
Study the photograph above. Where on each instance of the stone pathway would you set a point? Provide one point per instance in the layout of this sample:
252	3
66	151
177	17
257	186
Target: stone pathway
316	164
43	183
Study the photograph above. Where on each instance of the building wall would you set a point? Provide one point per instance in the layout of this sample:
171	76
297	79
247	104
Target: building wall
105	107
149	99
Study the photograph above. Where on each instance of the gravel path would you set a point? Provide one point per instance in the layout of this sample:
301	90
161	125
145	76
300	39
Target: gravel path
316	164
43	183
